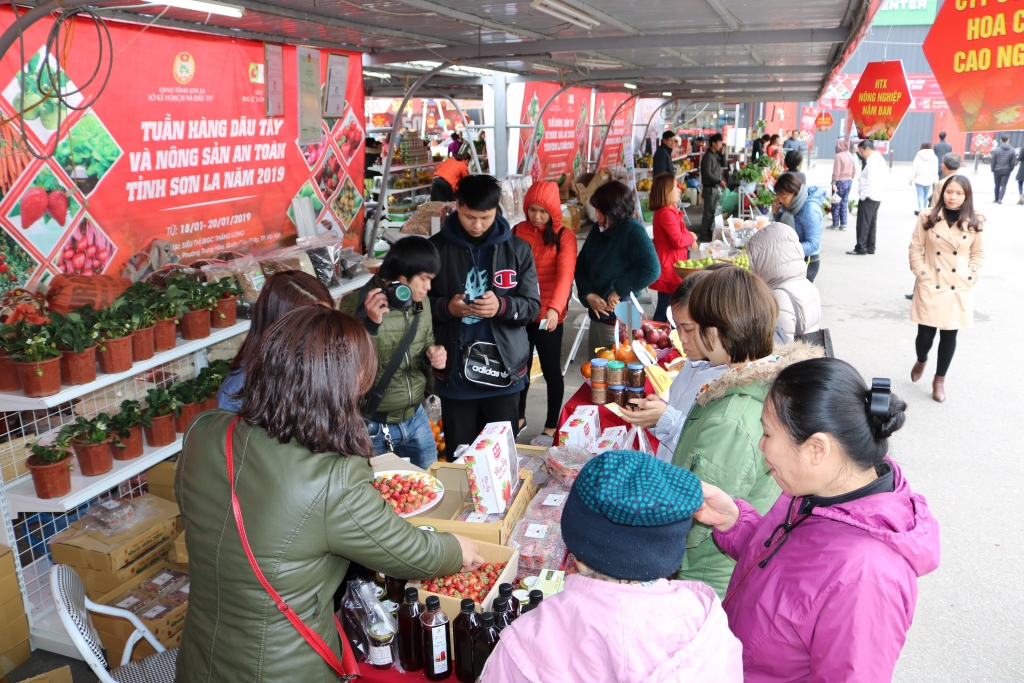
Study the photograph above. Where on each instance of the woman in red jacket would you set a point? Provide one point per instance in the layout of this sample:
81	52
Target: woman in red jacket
554	251
671	239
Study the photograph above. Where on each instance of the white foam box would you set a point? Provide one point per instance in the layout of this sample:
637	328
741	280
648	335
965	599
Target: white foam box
581	429
611	439
491	460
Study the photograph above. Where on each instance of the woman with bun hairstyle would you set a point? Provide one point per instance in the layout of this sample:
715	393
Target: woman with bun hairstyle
554	252
826	582
671	239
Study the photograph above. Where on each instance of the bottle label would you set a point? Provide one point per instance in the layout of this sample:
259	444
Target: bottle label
439	648
379	655
554	499
378	591
391	607
536	531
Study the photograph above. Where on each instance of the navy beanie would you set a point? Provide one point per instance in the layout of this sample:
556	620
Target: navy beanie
628	514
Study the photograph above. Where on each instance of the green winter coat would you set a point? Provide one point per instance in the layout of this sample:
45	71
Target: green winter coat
719	443
307	515
414	377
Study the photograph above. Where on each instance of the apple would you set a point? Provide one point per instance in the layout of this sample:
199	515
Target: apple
664	343
653	336
638	334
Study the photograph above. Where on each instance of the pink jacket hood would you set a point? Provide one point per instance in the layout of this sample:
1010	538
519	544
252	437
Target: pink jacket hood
603	632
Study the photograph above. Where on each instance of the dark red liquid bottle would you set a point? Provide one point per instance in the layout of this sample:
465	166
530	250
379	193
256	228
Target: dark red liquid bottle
505	591
483	642
410	634
463	628
437	642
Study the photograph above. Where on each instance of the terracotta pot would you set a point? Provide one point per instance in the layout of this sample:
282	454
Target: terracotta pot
10	380
165	334
229	309
50	479
132	445
195	325
210	404
143	344
118	355
161	431
95	459
188	413
78	368
40	379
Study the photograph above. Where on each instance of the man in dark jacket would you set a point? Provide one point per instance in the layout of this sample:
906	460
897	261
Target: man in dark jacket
663	155
713	184
941	149
1004	158
483	297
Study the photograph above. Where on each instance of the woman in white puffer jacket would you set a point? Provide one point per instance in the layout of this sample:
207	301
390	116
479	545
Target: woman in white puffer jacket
777	257
924	175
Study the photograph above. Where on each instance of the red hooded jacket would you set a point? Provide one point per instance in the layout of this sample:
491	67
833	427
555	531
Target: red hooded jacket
671	241
555	265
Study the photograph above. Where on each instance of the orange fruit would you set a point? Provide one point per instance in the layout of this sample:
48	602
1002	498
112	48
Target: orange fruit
605	353
625	354
585	370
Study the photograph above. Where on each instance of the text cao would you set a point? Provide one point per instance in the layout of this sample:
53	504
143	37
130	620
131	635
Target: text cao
989	26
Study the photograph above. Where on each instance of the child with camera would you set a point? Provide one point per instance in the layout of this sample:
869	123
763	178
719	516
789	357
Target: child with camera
396	312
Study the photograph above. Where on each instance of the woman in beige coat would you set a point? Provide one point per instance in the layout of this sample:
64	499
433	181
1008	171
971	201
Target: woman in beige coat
946	255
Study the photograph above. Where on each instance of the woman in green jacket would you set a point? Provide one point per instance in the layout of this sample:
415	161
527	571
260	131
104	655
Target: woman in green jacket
731	319
304	485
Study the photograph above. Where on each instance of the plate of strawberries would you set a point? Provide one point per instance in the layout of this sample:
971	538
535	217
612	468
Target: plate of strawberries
408	493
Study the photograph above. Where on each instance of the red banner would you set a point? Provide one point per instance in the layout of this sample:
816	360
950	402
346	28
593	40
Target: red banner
177	147
975	51
561	139
823	121
880	100
615	147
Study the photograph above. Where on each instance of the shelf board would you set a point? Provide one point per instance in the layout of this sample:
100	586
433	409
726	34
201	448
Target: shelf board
21	495
395	169
403	190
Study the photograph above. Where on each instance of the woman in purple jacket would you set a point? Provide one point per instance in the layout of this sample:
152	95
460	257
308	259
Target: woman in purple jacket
826	583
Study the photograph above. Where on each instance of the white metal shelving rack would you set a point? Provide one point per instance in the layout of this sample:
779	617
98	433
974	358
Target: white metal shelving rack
29	522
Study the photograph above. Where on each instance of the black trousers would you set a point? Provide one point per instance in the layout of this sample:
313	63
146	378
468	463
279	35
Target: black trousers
867	224
1001	180
947	347
549	351
463	420
813	267
441	190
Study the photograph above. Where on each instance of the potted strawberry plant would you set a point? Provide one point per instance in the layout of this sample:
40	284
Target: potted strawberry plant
210	378
189	395
93	442
127	423
168	306
161	409
37	358
10	380
115	330
51	470
76	338
195	321
226	291
140	300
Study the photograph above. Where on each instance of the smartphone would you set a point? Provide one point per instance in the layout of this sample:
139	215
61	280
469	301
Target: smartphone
543	324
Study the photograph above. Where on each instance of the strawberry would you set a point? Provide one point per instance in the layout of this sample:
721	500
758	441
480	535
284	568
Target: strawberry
57	206
33	206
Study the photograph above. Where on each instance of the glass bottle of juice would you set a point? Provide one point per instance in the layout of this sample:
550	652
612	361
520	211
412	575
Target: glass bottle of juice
393	592
463	628
483	642
437	643
505	591
501	615
381	634
410	638
535	599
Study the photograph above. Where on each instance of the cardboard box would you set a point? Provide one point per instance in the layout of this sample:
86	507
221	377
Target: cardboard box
163	473
61	675
611	438
117	630
13	633
165	492
456	488
15	657
491	553
179	553
9	589
491	459
11	609
99	583
581	429
110	553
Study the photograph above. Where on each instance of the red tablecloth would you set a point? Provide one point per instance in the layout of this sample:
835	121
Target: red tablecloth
370	675
607	417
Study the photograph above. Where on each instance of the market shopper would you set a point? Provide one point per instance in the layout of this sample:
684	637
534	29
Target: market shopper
671	239
619	619
554	253
794	159
664	419
799	207
734	316
483	298
299	453
616	260
872	180
924	175
776	257
844	170
663	155
792	142
454	144
449	174
1004	158
1020	176
281	293
775	146
949	165
946	255
713	183
825	586
401	327
942	148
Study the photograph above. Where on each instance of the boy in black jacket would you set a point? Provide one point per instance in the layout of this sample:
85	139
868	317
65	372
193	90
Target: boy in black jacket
482	299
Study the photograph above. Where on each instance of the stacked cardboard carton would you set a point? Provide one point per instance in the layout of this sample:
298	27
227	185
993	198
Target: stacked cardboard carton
14	647
161	479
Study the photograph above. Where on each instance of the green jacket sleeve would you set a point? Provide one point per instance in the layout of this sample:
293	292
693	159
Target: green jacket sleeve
644	267
363	528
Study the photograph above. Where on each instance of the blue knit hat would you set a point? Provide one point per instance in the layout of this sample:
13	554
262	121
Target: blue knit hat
628	514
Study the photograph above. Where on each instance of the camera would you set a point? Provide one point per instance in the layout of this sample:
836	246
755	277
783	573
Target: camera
399	295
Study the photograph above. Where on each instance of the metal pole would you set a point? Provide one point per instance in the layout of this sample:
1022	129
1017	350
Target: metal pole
655	113
608	129
371	235
532	145
499	140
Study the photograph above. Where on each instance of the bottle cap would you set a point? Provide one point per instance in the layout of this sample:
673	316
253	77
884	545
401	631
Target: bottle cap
505	590
500	604
468	605
634	366
434	602
598	361
613	364
487	619
536	596
411	594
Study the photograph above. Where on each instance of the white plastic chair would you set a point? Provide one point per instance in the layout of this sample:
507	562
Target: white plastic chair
73	608
582	324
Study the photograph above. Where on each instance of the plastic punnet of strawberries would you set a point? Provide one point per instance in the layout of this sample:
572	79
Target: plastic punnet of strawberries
473	585
405	493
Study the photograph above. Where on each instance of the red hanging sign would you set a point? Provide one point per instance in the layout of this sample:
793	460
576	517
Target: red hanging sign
880	100
975	51
823	121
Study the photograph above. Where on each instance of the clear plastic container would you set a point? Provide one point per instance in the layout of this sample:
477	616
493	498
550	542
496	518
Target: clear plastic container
599	370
